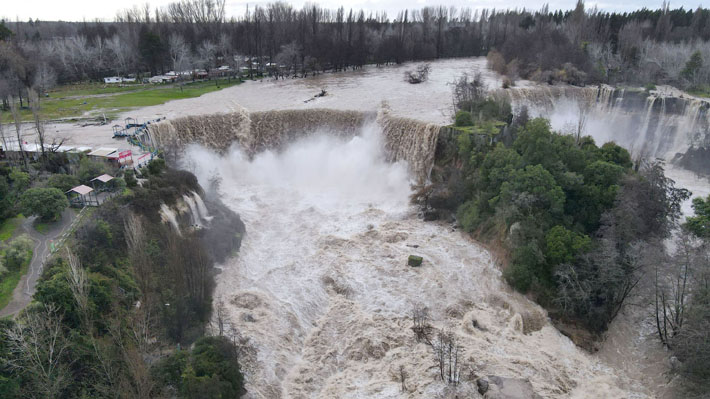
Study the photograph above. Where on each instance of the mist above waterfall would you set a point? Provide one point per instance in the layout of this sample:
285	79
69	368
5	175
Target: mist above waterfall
322	169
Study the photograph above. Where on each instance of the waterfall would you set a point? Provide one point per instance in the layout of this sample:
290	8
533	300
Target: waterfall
255	131
404	139
167	215
194	214
201	208
409	140
649	124
640	142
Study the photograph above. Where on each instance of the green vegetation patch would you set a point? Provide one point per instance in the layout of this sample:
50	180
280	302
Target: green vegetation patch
10	273
80	101
8	227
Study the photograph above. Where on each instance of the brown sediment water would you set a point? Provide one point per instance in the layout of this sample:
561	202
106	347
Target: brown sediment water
320	296
404	139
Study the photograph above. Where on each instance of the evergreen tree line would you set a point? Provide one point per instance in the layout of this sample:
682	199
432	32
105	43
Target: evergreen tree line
577	46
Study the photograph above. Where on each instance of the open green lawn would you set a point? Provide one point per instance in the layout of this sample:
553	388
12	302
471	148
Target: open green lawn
8	227
75	101
9	281
40	226
88	89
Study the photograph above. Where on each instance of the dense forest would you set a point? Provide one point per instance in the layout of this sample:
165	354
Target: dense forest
578	46
123	308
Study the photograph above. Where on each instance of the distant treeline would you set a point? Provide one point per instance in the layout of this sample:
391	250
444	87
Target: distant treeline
579	45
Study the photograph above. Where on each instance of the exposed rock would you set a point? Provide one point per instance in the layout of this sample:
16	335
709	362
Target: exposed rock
482	385
415	260
509	388
696	159
579	335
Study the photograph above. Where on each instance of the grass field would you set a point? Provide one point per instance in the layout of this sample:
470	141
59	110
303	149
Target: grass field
40	226
9	281
8	227
94	100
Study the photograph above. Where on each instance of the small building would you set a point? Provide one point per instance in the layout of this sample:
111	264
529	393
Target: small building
82	196
118	79
163	78
65	148
80	150
102	153
101	183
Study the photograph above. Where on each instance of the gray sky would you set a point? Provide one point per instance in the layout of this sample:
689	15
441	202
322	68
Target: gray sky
78	10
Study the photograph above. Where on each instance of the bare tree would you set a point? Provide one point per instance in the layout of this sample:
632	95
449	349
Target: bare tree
123	52
468	90
137	252
18	129
403	375
45	78
220	315
179	52
692	343
447	352
2	136
207	53
421	327
39	349
672	290
134	348
38	121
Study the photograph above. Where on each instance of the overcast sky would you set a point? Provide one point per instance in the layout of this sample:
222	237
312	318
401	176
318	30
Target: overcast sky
78	10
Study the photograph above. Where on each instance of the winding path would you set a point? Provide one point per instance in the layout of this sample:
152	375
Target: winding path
22	295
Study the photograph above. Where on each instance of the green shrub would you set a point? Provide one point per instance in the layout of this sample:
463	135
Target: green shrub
209	371
18	252
63	182
20	180
156	166
650	87
89	169
463	118
46	203
468	216
130	177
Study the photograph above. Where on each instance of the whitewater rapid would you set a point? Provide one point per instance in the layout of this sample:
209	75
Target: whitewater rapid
320	296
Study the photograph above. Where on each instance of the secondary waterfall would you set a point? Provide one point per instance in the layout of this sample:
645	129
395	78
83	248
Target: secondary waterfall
201	208
655	124
195	218
168	216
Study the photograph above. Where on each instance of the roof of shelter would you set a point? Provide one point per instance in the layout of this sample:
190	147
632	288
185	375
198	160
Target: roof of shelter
103	178
83	190
103	152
